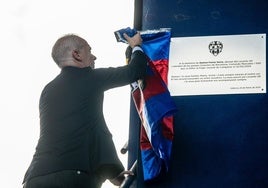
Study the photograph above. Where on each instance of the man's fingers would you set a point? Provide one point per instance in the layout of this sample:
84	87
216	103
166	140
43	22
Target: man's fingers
126	36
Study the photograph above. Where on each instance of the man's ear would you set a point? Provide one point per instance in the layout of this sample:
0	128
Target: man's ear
76	55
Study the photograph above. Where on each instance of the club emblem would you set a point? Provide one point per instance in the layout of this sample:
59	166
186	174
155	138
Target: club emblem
215	47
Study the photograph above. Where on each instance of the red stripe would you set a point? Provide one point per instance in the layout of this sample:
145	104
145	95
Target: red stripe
162	68
144	141
153	84
167	127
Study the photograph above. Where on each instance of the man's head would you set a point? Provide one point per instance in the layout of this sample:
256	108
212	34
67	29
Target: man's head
72	50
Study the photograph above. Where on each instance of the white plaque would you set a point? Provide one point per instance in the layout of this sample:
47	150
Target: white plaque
229	64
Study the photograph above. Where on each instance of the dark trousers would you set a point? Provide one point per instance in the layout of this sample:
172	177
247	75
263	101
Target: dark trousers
64	179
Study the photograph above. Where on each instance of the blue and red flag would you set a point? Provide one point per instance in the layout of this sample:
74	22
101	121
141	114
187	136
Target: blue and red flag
155	105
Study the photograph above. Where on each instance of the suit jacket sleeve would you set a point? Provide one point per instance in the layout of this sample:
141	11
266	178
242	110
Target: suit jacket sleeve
120	76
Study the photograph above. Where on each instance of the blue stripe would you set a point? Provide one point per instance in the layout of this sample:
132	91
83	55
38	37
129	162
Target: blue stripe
157	107
153	161
156	45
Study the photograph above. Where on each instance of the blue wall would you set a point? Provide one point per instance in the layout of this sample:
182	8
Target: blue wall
221	141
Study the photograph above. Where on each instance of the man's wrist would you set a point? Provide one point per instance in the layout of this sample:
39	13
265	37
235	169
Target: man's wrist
137	47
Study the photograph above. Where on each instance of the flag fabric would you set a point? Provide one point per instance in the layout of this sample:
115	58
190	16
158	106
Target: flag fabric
155	105
156	45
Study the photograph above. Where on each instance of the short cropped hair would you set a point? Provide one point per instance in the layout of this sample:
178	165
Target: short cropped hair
65	45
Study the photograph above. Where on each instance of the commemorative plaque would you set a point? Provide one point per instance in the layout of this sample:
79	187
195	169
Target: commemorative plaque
211	65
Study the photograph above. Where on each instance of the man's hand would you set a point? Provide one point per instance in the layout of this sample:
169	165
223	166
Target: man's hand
136	40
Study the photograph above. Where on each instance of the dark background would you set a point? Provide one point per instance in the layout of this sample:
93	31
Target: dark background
221	141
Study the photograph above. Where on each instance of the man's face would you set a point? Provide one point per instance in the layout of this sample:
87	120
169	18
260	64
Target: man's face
87	57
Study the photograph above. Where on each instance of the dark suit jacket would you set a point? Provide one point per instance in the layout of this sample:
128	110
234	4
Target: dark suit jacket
73	132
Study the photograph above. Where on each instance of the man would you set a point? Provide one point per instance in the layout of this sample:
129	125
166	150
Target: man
75	148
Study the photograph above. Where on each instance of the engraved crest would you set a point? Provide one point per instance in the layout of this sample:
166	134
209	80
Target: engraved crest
215	47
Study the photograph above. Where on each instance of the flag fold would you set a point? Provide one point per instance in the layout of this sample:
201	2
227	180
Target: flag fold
155	105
